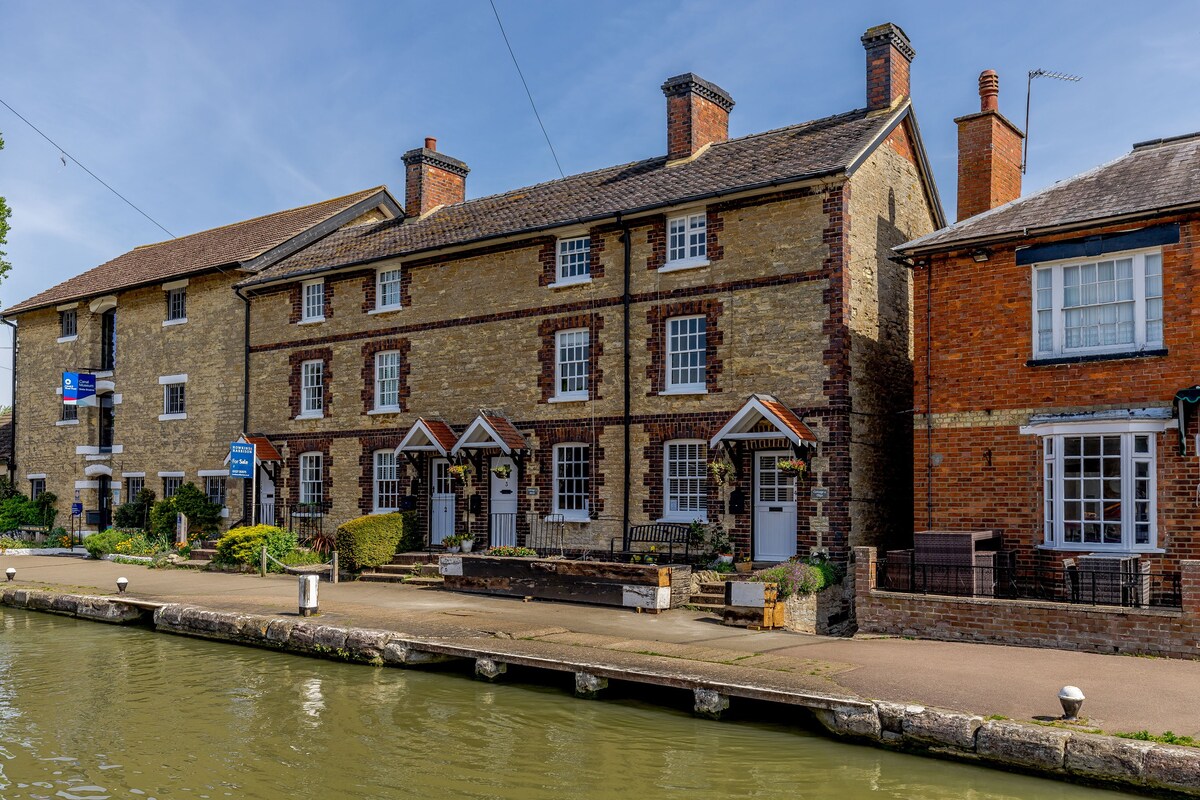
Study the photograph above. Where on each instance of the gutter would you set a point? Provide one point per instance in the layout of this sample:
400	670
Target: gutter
12	429
524	232
626	301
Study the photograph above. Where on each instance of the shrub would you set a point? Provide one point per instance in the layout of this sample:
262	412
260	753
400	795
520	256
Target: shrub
203	515
794	577
512	552
410	537
122	542
243	545
369	541
162	520
135	513
18	511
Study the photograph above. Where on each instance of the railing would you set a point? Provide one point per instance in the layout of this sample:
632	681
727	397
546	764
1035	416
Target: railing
1058	584
266	513
308	520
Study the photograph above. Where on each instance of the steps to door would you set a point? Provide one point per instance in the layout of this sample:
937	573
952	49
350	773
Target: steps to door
710	597
415	569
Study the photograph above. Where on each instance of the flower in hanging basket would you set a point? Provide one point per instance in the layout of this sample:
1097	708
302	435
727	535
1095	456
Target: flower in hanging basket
502	471
461	472
721	472
792	466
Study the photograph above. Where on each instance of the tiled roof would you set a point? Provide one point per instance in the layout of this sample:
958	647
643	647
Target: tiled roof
821	147
218	247
787	417
442	432
1164	173
507	432
263	449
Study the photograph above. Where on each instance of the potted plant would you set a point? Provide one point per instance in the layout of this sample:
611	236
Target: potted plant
451	543
792	466
466	542
651	556
721	472
744	564
502	471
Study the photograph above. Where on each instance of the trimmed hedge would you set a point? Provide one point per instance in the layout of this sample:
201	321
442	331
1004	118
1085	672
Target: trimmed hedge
371	541
242	545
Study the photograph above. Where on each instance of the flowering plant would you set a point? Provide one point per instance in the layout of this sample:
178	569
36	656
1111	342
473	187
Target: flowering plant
461	472
793	465
502	471
721	472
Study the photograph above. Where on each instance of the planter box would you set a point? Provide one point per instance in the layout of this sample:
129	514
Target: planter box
752	604
646	586
827	612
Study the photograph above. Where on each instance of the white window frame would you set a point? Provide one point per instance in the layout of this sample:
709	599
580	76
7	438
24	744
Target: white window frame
310	391
575	395
381	279
380	405
312	303
379	492
37	487
571	514
179	413
700	477
669	351
63	315
176	316
566	249
309	464
1052	438
689	251
1055	294
222	493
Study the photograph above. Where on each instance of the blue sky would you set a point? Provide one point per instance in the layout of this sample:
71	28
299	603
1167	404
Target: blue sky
207	113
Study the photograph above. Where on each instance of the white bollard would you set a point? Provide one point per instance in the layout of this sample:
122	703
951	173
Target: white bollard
308	595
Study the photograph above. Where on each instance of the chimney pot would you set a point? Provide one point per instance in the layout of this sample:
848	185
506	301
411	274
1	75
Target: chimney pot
989	90
697	114
432	179
430	143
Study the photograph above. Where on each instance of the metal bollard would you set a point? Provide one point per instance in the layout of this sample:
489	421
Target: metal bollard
308	595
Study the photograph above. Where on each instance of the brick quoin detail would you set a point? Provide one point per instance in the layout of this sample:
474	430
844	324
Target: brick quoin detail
548	256
309	444
656	345
837	358
548	352
551	433
370	284
366	463
295	379
369	351
656	236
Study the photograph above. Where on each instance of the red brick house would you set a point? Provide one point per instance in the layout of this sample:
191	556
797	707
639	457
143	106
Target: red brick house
1056	347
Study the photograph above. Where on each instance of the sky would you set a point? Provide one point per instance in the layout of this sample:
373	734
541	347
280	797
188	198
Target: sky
207	113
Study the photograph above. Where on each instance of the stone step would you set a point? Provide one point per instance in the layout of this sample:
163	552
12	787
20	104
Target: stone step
415	558
396	569
381	577
424	581
203	554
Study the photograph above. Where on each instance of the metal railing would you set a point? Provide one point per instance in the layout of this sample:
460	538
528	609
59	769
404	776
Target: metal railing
1140	588
308	520
266	513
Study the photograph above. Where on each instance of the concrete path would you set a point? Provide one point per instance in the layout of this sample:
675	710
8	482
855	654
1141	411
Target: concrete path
1124	693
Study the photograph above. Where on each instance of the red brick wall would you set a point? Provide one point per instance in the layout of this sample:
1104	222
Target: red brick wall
887	76
989	163
427	186
1097	629
692	122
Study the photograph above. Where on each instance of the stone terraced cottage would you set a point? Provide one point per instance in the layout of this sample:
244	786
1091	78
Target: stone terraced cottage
589	345
164	334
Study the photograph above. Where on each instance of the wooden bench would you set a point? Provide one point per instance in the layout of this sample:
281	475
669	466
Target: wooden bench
659	534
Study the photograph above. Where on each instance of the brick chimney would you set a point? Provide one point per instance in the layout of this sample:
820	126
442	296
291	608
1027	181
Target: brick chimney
989	154
697	114
889	56
432	179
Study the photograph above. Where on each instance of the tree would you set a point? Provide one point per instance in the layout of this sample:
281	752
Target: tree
5	211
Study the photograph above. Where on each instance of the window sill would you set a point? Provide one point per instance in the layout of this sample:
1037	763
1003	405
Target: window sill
1083	548
567	518
310	416
681	391
1090	357
104	373
171	417
169	322
385	309
568	398
63	422
313	321
384	410
684	263
569	282
65	339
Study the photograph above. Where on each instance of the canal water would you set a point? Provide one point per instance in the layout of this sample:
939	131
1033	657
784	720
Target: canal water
95	711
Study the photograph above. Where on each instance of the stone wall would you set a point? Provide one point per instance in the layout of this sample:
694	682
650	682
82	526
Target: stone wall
1028	623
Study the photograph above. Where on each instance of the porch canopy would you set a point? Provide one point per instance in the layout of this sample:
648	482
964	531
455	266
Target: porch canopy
491	431
428	436
764	418
264	451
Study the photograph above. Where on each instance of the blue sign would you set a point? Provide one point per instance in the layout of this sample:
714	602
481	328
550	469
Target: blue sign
78	389
241	460
76	509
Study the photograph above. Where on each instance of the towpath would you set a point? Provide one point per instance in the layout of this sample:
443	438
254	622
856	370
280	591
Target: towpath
1124	693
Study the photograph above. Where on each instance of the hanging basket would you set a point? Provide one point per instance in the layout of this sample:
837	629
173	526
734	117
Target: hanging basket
502	471
721	472
792	466
461	472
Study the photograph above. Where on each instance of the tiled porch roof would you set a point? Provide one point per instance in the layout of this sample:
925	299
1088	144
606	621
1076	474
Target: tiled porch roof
764	408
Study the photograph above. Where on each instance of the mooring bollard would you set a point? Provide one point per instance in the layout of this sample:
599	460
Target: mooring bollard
1071	699
122	583
308	595
10	573
262	562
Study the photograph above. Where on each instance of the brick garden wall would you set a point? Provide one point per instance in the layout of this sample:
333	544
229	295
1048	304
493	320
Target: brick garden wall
1026	623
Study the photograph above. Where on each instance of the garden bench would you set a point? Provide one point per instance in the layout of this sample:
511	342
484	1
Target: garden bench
672	536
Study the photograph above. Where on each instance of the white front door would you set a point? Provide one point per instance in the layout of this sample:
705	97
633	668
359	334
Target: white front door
441	501
502	496
774	508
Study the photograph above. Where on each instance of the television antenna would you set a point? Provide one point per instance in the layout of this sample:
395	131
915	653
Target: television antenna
1039	73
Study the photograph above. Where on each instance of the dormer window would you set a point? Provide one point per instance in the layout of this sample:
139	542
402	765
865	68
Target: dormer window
687	241
312	301
574	260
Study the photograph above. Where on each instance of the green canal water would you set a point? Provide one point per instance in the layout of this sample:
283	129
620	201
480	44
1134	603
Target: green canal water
94	711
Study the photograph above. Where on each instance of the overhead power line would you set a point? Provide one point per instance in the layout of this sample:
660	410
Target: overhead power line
527	92
85	169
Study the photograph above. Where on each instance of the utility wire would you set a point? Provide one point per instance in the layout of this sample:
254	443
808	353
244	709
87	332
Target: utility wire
527	92
85	169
